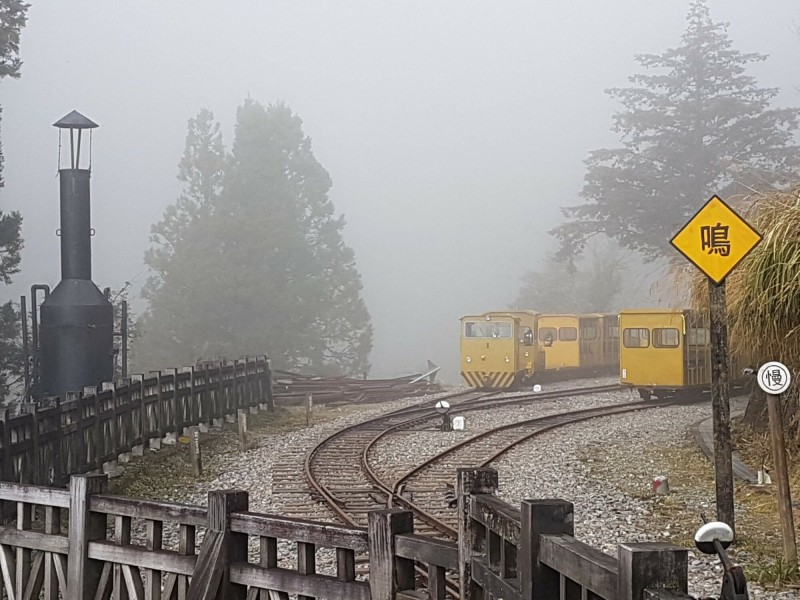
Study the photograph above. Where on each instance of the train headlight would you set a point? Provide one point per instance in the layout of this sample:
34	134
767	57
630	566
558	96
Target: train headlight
469	359
508	360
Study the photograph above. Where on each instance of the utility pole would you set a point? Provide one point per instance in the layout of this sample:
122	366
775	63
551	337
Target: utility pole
720	403
715	240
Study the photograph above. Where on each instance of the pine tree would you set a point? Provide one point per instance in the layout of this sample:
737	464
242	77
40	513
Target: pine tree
690	129
595	282
11	355
12	21
265	268
170	329
13	15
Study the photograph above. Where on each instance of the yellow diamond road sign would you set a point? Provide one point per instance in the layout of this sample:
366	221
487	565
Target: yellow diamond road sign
716	239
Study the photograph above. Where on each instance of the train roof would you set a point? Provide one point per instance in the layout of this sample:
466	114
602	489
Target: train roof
502	313
656	311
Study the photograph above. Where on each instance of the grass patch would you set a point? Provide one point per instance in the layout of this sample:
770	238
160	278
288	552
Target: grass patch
163	475
759	545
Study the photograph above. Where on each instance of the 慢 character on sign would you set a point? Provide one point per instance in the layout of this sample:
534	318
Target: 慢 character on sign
715	239
776	376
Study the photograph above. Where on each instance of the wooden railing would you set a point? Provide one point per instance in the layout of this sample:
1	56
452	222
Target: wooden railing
81	543
54	439
531	552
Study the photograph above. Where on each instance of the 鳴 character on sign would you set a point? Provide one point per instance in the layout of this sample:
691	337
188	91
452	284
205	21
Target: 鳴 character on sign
715	239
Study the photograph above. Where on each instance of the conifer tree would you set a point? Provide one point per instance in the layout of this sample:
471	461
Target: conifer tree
694	123
264	269
13	16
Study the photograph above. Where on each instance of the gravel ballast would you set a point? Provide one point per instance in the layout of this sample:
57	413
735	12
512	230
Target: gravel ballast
604	466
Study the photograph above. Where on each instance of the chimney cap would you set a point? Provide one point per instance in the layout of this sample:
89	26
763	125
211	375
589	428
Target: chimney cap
75	120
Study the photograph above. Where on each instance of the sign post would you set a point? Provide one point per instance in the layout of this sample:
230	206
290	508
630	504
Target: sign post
774	378
715	240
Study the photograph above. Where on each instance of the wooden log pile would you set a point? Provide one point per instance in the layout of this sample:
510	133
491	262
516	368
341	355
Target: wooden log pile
292	389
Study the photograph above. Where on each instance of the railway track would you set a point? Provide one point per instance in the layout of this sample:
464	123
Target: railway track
428	489
340	473
343	473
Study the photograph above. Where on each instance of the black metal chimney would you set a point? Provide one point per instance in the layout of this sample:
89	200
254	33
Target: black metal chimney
77	322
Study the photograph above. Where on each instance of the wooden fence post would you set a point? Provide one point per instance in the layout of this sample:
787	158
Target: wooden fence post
31	461
8	465
58	458
221	548
98	443
241	418
470	542
388	574
194	451
205	397
84	527
651	565
538	517
268	385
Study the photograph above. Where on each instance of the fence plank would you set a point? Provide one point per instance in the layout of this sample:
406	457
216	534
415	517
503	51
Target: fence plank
468	482
84	527
651	565
221	548
587	566
329	535
427	550
539	517
286	580
388	574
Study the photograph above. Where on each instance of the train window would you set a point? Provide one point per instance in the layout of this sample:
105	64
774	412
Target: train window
488	329
589	333
567	334
472	329
613	331
527	336
668	337
698	337
636	338
547	335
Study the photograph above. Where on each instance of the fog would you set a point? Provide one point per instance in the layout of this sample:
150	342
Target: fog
453	131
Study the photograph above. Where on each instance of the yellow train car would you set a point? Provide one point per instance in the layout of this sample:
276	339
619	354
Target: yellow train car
500	350
667	352
588	342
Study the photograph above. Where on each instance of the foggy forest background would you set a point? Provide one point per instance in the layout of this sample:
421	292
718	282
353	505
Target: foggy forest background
252	256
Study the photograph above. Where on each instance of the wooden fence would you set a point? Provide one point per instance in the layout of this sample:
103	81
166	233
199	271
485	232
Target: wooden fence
49	441
104	546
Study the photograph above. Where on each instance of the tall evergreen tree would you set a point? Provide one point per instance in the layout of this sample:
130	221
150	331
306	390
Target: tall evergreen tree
13	16
690	129
11	355
595	282
265	269
171	328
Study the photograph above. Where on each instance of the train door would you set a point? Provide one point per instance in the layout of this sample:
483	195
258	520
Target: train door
530	356
652	351
610	333
697	351
559	337
591	343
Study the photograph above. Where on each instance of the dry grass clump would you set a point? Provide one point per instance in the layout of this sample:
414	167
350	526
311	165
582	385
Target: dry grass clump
763	292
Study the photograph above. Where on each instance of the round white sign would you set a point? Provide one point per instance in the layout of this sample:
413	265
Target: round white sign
442	406
774	377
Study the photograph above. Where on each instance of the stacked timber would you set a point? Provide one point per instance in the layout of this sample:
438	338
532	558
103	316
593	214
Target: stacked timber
293	389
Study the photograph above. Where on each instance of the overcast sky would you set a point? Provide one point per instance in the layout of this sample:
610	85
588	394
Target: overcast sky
452	130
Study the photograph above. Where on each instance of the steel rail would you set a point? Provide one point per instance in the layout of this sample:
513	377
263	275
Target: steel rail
548	423
320	489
